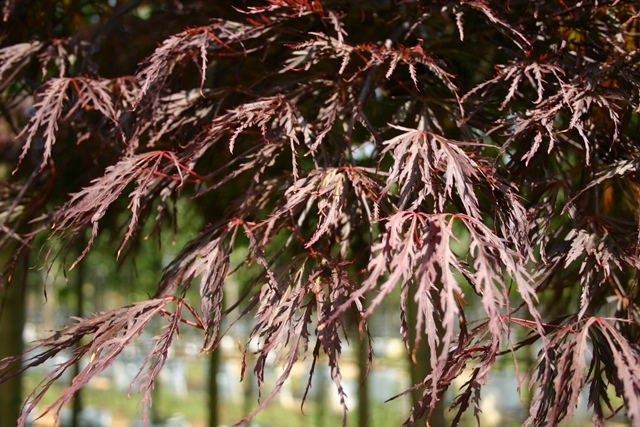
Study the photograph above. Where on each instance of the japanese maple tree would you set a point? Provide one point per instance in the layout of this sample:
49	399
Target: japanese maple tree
354	147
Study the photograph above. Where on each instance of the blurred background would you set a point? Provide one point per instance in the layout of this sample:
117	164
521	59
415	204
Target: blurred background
205	389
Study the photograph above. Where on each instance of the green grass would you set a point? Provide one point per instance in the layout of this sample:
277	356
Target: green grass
231	409
194	407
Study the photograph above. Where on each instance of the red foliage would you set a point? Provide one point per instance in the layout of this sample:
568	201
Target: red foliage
490	131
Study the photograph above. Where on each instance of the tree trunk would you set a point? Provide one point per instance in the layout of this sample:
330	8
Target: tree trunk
214	366
421	368
249	389
77	284
321	399
12	318
363	389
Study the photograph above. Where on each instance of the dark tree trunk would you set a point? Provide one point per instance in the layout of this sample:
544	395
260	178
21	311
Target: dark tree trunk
421	368
363	384
12	318
78	282
214	366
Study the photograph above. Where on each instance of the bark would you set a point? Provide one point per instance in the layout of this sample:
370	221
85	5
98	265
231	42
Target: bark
12	318
214	366
421	368
363	389
78	282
